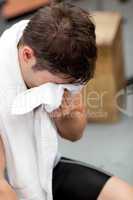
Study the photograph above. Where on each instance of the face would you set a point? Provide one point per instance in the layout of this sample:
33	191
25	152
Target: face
35	78
44	76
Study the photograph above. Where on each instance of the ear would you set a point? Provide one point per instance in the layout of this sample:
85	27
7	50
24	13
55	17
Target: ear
27	53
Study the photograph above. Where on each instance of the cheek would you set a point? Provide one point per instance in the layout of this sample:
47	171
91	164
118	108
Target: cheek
58	80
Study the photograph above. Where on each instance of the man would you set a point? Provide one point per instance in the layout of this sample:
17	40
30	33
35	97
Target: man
59	46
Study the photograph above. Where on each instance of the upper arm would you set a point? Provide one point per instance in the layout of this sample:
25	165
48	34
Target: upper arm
2	158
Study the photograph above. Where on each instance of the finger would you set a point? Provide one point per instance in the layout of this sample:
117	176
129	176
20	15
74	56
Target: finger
67	97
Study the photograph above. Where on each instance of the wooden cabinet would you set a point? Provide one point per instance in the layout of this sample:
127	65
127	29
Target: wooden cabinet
101	93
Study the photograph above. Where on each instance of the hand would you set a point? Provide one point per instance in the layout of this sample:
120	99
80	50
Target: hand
69	104
70	118
6	191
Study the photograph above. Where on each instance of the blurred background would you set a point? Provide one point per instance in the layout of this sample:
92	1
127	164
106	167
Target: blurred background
108	139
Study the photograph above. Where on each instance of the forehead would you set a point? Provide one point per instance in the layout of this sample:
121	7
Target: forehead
62	78
56	77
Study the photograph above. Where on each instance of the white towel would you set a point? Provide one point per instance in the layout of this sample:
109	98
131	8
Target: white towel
49	96
29	135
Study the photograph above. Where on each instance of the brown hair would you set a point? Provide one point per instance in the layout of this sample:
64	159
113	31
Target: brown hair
63	39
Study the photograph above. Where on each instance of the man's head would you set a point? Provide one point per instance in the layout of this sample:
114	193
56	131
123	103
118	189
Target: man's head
58	45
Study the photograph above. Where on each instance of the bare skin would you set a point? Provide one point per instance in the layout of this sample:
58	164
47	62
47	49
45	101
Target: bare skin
70	117
6	191
116	189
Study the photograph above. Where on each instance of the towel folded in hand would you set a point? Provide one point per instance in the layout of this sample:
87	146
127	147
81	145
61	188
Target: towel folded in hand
49	94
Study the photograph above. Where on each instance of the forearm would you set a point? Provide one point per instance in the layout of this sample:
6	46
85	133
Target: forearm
6	191
71	127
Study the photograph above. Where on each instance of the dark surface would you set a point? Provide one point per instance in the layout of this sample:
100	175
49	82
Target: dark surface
77	180
2	2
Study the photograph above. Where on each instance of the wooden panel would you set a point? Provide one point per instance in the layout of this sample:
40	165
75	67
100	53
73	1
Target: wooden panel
100	93
106	26
14	8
